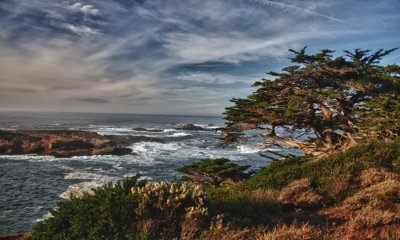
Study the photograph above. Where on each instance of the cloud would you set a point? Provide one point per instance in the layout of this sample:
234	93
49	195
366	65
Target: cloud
84	30
87	9
300	10
166	56
214	78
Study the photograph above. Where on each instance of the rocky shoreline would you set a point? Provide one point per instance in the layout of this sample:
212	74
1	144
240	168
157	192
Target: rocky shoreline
17	236
65	143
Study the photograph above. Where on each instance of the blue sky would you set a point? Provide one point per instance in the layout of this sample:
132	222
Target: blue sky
169	56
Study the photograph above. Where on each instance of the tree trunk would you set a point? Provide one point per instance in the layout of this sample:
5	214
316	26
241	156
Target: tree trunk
326	111
328	138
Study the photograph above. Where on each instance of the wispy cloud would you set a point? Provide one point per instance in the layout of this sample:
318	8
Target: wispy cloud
84	30
164	56
300	10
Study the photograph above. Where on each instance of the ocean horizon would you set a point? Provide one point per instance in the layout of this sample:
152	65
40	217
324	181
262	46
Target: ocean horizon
31	185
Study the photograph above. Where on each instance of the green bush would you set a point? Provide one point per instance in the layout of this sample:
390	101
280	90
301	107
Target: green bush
243	207
214	171
107	214
130	209
170	210
279	173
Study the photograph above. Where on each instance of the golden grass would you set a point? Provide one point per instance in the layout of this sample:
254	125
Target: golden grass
294	231
382	195
300	194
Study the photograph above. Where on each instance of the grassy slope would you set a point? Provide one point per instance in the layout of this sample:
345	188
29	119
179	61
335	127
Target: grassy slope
352	195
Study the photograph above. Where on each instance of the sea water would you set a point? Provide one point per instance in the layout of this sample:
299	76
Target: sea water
31	185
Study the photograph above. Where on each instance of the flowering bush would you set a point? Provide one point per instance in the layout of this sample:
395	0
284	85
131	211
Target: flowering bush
167	209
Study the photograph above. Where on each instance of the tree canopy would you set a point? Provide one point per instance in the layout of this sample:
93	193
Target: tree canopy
336	101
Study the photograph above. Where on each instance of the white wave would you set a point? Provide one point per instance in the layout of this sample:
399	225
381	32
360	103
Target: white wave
169	130
245	149
79	189
45	217
179	134
207	126
87	175
150	150
113	130
28	157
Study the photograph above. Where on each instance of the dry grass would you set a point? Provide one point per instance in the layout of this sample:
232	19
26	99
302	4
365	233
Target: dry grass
293	232
262	195
373	212
337	184
300	194
219	231
372	218
231	234
373	176
191	228
381	196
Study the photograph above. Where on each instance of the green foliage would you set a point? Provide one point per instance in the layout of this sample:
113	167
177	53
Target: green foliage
130	209
279	173
342	100
242	206
169	210
214	171
108	214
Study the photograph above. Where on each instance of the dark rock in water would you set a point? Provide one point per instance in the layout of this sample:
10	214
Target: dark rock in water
146	130
60	143
191	127
126	140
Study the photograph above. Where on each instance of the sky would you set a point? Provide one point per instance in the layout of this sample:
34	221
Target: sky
184	57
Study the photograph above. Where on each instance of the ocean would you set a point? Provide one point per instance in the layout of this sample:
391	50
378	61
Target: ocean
31	185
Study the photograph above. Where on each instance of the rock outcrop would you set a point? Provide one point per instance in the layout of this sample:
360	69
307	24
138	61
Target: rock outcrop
191	127
18	236
60	143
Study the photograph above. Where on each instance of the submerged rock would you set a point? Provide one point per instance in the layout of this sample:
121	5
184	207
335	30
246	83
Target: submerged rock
140	129
126	140
191	127
60	143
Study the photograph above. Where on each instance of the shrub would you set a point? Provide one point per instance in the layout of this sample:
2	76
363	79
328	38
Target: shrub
214	171
300	194
129	210
279	173
107	214
165	210
244	207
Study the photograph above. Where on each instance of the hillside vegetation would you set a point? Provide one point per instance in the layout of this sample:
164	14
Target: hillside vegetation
344	112
352	195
